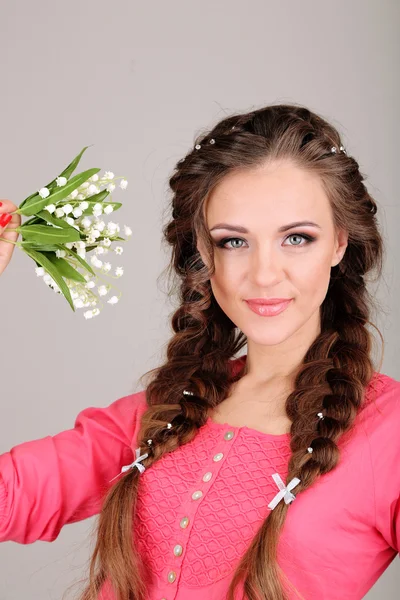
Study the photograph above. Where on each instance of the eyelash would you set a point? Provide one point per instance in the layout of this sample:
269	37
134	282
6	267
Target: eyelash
309	239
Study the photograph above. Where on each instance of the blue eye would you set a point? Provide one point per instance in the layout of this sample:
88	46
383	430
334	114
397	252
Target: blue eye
308	240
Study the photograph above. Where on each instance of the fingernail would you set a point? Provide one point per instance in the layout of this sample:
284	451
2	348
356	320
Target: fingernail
1	204
5	219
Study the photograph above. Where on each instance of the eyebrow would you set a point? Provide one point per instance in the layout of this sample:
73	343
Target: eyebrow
281	229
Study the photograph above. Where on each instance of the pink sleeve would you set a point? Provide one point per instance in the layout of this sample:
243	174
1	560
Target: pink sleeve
385	454
60	479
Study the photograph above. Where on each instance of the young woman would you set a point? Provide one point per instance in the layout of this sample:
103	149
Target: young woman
273	475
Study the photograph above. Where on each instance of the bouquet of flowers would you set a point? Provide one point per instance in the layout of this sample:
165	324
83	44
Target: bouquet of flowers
67	224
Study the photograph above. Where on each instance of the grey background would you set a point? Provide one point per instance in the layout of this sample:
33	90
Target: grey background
139	80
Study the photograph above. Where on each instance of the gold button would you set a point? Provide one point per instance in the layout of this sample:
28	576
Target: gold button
218	457
207	476
178	550
171	576
197	495
184	522
229	435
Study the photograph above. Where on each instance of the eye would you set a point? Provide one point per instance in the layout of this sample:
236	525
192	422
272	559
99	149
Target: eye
308	240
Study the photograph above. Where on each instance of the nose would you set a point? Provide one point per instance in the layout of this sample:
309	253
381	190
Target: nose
266	268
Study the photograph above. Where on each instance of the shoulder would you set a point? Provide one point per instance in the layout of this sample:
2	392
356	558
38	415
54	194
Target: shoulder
382	408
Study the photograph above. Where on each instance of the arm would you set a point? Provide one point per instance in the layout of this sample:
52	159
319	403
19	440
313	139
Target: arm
60	479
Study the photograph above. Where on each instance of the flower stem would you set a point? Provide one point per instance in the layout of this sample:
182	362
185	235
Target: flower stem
9	241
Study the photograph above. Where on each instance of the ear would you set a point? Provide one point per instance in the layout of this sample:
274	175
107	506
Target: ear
341	242
201	249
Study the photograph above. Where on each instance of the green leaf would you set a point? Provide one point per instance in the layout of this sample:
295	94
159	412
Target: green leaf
64	268
42	260
46	216
72	166
44	247
66	173
35	205
45	234
79	259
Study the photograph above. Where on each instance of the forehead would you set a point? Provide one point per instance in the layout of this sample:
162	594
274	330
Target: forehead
275	194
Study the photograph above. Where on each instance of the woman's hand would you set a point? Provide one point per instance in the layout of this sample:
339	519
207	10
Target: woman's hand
8	223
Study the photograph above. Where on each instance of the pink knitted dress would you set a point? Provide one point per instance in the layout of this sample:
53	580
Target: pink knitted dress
200	506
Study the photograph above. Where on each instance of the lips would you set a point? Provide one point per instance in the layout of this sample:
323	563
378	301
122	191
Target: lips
267	300
268	309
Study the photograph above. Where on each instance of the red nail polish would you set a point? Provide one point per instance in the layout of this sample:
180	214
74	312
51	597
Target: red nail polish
1	204
5	219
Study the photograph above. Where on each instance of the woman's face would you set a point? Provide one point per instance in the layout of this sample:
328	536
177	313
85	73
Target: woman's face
262	260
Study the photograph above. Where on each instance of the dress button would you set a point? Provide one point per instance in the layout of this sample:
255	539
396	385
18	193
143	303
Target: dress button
207	476
229	435
184	522
218	456
197	495
171	576
178	550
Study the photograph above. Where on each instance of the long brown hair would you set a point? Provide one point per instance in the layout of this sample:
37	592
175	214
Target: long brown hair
335	371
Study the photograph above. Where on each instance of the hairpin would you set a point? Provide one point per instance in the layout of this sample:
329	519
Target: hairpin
341	148
136	463
284	492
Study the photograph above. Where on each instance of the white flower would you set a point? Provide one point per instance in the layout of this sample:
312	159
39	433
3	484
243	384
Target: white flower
74	294
90	240
113	300
61	253
44	192
100	225
90	285
96	262
40	271
102	289
119	250
73	194
77	212
108	175
60	181
119	271
69	245
88	314
84	186
124	184
47	278
106	267
106	242
95	233
94	177
80	197
86	222
70	221
108	209
127	230
97	209
78	303
80	244
81	252
50	207
110	188
68	208
59	212
95	312
92	189
84	205
99	250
